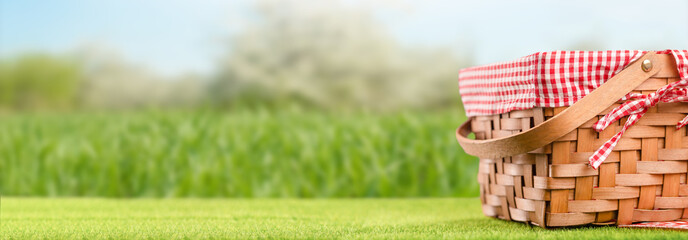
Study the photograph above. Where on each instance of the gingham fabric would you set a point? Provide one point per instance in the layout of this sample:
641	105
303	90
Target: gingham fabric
558	79
676	225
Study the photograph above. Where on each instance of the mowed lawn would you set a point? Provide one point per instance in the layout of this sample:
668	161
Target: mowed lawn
447	218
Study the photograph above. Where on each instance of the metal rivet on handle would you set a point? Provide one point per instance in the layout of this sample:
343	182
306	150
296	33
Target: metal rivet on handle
647	65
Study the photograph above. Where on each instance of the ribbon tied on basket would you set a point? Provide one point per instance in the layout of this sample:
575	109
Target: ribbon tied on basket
635	107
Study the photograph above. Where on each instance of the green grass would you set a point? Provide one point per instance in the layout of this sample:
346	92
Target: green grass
89	218
257	153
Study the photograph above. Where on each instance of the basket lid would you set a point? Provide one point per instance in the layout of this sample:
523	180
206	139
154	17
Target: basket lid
545	79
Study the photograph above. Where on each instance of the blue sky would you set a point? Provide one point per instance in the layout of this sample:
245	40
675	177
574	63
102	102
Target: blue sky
175	36
168	36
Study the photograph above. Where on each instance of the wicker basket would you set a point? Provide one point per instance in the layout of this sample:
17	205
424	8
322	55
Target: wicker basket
534	166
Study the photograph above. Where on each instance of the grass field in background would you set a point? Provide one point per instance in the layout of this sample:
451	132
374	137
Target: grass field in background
256	153
74	218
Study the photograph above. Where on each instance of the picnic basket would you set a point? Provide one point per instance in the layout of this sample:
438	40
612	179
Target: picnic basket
575	138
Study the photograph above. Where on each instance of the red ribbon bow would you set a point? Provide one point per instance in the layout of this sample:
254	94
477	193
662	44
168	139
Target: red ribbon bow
635	107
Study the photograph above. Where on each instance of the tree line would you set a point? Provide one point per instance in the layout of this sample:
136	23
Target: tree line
330	58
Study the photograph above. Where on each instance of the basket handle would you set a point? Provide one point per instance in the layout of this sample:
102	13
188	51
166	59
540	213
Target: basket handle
571	118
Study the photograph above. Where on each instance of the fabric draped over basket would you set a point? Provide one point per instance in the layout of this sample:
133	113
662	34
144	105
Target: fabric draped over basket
557	79
635	107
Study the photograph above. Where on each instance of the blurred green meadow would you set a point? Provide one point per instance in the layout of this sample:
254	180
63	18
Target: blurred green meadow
242	153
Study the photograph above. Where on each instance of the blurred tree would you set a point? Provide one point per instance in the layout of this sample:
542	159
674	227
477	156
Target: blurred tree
330	55
38	81
111	82
92	77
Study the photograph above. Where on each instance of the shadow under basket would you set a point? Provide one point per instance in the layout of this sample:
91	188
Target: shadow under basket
553	185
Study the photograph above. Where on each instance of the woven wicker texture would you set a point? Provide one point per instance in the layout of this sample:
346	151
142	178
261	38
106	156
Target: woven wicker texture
644	179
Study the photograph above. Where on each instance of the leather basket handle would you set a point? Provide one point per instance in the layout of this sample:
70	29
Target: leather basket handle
571	118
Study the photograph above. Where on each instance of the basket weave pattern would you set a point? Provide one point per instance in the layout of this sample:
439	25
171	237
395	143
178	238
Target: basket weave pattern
643	179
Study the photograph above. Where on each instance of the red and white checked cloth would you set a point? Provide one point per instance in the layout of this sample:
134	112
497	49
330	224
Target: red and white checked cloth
676	225
560	78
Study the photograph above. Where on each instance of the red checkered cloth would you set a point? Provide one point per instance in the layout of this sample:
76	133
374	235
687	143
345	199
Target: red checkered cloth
676	225
558	79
